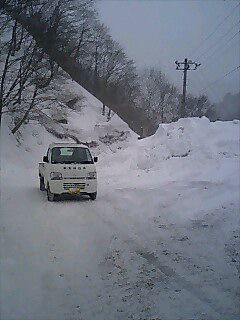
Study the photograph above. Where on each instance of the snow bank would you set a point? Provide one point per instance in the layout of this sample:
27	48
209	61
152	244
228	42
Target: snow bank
191	137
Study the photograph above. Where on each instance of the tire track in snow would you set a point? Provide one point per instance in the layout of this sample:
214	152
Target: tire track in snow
134	245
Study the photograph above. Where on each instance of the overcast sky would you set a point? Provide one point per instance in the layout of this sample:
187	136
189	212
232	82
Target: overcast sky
158	32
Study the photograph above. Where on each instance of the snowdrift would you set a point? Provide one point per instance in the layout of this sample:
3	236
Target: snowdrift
195	138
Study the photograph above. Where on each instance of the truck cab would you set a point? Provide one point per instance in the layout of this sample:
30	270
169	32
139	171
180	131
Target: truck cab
68	168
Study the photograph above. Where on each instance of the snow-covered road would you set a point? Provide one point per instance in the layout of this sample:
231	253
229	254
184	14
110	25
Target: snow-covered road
129	255
160	242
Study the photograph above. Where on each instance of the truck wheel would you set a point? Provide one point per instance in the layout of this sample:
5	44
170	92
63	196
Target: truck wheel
50	196
42	186
93	195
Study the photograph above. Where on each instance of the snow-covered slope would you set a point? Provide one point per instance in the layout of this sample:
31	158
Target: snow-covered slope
160	242
85	122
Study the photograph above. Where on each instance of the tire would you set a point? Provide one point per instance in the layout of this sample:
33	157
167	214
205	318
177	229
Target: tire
50	196
42	186
93	195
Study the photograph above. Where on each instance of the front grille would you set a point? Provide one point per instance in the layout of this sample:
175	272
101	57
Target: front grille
72	178
67	186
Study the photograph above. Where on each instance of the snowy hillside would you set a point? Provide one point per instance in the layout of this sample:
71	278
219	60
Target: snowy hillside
85	122
160	242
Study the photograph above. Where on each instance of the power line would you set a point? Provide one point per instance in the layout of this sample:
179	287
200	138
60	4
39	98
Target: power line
231	71
217	42
215	29
218	50
222	77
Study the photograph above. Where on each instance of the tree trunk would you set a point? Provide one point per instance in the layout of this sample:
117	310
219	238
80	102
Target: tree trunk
18	125
5	71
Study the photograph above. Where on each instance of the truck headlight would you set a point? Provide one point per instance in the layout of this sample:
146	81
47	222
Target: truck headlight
92	175
56	176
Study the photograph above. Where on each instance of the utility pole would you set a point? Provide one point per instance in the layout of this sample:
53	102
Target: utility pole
187	65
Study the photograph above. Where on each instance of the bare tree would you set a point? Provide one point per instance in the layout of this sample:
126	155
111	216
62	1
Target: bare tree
198	106
26	69
6	67
158	96
54	27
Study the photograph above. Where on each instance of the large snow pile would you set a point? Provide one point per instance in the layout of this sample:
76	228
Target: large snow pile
194	138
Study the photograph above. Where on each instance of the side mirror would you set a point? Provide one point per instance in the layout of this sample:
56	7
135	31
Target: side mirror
45	159
95	159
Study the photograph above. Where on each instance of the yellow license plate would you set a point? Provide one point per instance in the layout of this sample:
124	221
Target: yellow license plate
74	191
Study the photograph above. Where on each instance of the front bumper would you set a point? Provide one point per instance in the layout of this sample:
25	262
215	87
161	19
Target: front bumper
73	186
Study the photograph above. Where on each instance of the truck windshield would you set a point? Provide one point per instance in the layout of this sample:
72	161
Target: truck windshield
71	155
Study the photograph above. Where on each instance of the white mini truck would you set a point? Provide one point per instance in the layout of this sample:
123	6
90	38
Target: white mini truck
68	168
